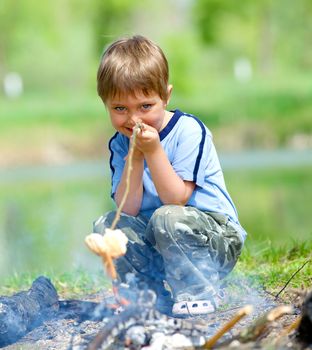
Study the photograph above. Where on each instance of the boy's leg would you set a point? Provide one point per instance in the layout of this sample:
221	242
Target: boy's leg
198	248
141	259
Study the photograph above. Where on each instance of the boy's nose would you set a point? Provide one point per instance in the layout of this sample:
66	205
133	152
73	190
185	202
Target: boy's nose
134	118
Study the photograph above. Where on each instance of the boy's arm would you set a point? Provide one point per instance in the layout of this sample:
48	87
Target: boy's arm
134	198
170	187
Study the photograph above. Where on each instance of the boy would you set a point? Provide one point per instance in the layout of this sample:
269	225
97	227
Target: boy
181	223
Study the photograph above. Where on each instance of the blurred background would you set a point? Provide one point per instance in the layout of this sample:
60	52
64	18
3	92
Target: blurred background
244	68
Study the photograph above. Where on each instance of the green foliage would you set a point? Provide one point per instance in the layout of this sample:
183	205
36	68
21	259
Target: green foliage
208	14
112	19
56	46
258	114
40	43
255	115
258	30
77	125
181	53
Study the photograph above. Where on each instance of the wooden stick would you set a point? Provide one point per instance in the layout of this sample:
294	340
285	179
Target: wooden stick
111	271
138	126
260	325
106	258
292	276
109	266
120	300
246	310
294	325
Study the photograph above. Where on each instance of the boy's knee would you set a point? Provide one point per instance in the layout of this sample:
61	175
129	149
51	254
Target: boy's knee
168	211
103	222
164	219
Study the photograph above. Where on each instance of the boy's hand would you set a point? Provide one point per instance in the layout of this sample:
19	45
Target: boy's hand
137	154
147	139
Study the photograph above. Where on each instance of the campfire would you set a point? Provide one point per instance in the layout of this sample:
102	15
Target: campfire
38	319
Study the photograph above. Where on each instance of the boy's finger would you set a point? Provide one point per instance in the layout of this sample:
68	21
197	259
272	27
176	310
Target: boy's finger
140	126
147	127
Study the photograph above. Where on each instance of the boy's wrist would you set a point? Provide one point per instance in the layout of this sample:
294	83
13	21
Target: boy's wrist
153	151
137	155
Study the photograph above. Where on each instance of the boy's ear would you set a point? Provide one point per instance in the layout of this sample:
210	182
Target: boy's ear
169	90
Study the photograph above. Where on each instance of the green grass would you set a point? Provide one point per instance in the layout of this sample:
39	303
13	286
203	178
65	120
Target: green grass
73	284
269	268
273	266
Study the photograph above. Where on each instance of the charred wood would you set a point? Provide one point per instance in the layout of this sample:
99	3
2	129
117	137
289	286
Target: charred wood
81	310
25	310
116	326
261	324
119	326
304	332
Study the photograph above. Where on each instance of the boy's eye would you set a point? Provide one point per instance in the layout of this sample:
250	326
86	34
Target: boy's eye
119	108
146	106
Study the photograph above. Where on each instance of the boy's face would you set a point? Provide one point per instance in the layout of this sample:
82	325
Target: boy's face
126	110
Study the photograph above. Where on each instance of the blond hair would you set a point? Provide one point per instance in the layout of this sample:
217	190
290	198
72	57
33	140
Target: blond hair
130	65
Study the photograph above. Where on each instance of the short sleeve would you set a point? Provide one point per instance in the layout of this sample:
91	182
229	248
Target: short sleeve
192	153
118	146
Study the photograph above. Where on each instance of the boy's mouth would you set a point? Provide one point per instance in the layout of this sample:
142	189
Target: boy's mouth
130	129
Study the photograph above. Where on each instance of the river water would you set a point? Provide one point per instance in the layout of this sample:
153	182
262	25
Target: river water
98	168
46	211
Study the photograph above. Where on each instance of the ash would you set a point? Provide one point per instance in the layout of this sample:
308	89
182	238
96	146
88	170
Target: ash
94	323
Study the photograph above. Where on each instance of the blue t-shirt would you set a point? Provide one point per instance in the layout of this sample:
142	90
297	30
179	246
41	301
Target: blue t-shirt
191	152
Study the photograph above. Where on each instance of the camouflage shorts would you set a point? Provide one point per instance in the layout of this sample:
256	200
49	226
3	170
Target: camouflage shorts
189	249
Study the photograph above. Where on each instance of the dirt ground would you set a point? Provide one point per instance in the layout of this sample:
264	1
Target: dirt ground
140	327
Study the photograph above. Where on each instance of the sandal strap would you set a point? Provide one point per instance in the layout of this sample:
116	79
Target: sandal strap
195	307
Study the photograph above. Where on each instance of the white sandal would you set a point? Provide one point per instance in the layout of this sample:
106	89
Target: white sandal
195	307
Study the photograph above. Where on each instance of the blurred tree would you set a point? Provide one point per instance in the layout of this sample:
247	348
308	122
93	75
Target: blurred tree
213	17
293	29
10	13
39	41
54	44
266	31
208	14
111	19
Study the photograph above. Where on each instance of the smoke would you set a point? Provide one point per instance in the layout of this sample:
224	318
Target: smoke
240	290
